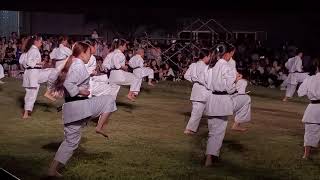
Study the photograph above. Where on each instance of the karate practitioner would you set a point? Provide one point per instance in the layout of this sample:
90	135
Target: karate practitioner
33	74
73	80
221	81
311	118
115	64
296	75
137	64
60	54
241	115
199	93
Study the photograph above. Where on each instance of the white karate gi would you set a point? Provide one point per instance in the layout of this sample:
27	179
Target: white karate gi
199	93
311	118
241	101
60	54
296	75
114	61
75	112
91	65
220	78
136	62
32	77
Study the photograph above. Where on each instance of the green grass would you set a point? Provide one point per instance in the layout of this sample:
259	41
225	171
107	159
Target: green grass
147	140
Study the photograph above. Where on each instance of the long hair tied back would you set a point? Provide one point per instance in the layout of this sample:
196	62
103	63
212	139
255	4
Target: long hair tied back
77	49
30	41
219	50
116	43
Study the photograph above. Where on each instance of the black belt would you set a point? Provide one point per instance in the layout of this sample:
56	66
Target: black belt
223	93
136	68
113	69
71	99
298	72
75	98
58	59
33	68
196	82
109	71
314	101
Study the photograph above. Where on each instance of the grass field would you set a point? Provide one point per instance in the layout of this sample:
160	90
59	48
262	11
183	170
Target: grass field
147	140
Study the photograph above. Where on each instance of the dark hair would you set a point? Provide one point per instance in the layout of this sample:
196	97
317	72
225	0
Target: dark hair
223	48
30	42
219	50
204	53
299	51
63	38
77	49
116	43
91	42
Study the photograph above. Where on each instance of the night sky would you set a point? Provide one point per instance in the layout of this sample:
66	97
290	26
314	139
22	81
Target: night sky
298	22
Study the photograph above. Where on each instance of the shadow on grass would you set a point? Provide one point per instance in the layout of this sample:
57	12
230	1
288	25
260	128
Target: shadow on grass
234	145
35	168
54	146
45	107
145	90
22	167
20	101
276	112
278	98
128	107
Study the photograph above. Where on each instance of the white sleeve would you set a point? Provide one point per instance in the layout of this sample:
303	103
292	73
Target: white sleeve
53	54
33	57
22	58
141	61
299	65
303	89
106	62
66	51
201	75
187	75
119	60
132	62
229	76
75	76
92	65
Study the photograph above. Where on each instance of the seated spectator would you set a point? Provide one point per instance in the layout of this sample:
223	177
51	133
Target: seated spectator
47	61
2	52
168	73
94	34
99	68
156	70
254	74
9	53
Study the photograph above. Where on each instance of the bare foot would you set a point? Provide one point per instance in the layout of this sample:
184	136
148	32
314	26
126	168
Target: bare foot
102	133
151	84
130	97
25	115
208	162
54	174
236	127
188	132
285	99
211	160
306	157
